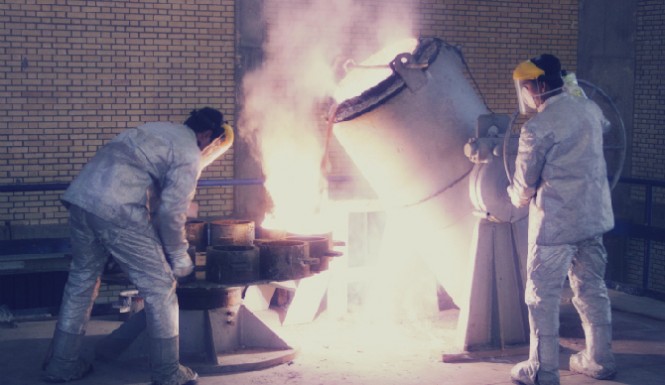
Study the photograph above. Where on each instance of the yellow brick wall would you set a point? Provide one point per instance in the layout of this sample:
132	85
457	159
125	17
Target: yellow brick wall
496	35
76	73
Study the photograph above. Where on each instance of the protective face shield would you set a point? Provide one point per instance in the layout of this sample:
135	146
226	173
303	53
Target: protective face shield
217	147
525	71
525	99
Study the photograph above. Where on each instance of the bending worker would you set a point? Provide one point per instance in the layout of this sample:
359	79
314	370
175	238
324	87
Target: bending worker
130	201
560	173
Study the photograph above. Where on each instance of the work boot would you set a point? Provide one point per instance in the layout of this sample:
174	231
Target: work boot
597	360
542	367
63	363
524	373
113	345
165	366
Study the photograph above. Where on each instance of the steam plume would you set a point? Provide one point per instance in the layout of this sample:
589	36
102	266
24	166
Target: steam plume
306	40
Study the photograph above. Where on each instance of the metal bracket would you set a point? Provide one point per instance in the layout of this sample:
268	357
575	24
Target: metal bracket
411	72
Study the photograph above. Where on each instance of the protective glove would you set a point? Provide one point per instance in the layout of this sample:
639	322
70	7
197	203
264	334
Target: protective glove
515	197
181	264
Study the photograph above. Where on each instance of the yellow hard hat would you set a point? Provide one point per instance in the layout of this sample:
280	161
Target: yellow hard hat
527	70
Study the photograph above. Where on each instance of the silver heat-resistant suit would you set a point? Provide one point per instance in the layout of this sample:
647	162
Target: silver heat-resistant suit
163	160
130	201
561	171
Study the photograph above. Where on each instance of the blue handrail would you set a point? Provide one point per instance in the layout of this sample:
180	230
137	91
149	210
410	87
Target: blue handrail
23	187
56	186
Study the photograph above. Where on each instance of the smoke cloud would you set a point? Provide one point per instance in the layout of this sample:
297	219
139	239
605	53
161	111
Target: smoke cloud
284	111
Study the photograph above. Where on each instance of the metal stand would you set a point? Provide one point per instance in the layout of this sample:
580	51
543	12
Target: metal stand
495	323
218	334
229	339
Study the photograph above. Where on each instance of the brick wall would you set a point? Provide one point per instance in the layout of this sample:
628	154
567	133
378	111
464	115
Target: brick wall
496	35
648	157
648	140
76	73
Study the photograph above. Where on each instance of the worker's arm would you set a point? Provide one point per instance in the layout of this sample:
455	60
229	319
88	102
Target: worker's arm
178	189
528	166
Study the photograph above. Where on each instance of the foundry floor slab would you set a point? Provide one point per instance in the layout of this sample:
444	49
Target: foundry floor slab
339	352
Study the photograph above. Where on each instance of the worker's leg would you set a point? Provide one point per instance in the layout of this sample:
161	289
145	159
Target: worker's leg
88	257
546	272
139	252
593	304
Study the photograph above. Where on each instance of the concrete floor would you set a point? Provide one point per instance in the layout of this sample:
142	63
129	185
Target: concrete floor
336	352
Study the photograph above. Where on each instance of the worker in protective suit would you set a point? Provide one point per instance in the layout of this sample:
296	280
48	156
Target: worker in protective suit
130	201
560	173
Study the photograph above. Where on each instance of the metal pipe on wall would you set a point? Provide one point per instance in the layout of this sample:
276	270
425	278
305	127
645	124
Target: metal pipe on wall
26	187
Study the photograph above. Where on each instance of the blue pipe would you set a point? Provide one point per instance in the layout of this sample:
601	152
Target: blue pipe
25	187
228	182
33	187
63	186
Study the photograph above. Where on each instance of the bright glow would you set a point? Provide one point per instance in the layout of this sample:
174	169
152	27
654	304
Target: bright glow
296	185
371	71
292	162
401	287
413	259
282	123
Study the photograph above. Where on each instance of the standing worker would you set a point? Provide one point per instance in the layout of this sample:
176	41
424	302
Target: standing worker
130	201
560	172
